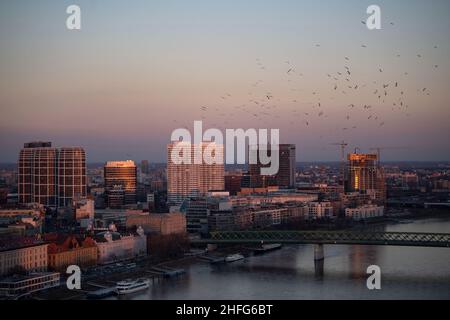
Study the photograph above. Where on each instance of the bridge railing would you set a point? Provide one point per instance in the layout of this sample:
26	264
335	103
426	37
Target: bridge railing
333	237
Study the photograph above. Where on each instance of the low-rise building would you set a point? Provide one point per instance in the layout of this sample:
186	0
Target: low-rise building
70	250
273	197
318	210
84	209
196	215
22	221
161	223
112	246
25	253
17	285
263	218
364	212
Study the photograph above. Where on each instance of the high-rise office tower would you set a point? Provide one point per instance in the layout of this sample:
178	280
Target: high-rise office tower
144	166
364	174
285	178
361	172
51	176
37	174
381	191
233	183
189	179
286	171
71	166
120	183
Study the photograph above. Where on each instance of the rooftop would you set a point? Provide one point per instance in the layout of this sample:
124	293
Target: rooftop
121	164
19	278
17	242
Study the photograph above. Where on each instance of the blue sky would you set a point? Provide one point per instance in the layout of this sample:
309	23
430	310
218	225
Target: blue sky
139	69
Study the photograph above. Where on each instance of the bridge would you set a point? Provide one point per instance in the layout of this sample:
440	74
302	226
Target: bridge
319	238
414	239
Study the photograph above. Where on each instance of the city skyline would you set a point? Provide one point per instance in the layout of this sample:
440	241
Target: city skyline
116	96
336	159
224	151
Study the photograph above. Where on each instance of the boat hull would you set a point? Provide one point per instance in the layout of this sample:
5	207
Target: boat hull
133	288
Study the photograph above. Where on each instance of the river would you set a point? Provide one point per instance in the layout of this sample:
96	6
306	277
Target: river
289	273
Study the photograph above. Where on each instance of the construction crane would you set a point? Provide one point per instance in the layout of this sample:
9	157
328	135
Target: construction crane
342	144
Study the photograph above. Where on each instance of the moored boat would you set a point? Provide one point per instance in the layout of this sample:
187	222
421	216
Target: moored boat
266	248
234	257
131	286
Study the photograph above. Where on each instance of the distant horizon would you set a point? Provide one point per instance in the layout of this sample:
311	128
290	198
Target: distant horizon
330	147
137	162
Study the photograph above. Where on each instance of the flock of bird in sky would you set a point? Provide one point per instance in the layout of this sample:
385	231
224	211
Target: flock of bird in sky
263	105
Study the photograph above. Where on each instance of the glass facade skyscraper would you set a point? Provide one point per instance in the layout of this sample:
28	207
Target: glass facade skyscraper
120	183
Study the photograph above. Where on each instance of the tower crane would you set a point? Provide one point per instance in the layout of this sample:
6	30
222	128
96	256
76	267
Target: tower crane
342	144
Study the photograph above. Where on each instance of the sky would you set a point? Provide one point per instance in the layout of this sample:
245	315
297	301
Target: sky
137	70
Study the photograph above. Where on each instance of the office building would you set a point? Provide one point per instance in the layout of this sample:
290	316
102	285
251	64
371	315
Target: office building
71	176
361	172
233	183
120	183
196	215
192	179
365	175
286	172
284	178
50	176
145	167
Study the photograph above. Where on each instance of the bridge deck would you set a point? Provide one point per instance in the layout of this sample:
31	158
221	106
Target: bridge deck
416	239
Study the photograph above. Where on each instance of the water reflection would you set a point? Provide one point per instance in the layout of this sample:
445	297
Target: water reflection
318	269
292	273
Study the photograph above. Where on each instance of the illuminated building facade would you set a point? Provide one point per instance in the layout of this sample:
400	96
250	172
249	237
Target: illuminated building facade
190	179
70	250
365	175
361	172
50	176
71	184
120	183
25	253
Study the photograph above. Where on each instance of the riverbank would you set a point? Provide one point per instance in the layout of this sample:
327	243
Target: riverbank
143	269
94	282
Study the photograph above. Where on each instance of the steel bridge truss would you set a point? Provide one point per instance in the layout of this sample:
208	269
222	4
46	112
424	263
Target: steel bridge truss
331	237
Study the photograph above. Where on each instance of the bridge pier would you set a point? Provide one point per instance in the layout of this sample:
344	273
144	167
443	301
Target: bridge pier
318	252
318	268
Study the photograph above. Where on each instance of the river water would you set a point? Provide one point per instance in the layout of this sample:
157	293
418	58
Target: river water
290	273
